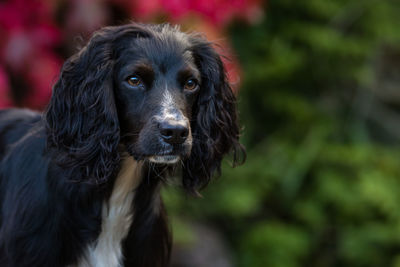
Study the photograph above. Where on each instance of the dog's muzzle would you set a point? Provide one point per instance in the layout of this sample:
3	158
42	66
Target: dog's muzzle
174	139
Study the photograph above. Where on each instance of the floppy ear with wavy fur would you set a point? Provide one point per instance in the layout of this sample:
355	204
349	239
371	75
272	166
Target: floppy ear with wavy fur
81	118
215	125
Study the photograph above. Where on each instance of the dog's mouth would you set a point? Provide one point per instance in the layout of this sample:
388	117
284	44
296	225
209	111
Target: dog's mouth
166	159
159	158
165	155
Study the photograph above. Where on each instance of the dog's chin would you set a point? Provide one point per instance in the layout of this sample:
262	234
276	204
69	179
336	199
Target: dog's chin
169	157
166	159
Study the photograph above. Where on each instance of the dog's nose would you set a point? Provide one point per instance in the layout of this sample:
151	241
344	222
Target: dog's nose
173	133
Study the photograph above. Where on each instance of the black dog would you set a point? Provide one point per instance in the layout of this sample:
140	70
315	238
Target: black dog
80	184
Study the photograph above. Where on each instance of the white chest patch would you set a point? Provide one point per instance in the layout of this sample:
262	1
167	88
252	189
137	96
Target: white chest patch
116	219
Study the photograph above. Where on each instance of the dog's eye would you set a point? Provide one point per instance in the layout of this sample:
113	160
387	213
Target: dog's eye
134	80
190	84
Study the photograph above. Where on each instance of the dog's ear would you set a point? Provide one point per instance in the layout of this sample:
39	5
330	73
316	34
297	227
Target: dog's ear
215	127
81	119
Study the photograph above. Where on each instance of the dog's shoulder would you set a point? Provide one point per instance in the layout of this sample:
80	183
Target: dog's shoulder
15	115
14	124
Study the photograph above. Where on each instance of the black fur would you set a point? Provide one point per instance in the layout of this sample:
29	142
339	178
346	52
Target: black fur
58	168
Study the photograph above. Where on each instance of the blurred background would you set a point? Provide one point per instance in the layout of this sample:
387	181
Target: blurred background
318	84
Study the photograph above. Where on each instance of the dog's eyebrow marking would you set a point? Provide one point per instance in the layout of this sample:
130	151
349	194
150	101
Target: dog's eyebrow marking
146	72
144	66
187	73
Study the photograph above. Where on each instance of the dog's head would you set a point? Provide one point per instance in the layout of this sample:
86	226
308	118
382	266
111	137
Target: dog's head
160	93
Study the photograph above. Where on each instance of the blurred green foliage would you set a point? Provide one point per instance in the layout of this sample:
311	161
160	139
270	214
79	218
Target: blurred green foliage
321	185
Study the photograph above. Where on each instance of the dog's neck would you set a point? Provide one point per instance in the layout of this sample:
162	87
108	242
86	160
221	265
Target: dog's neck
117	216
128	179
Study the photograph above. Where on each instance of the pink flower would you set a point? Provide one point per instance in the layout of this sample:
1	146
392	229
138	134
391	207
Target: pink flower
86	16
29	36
217	12
17	14
42	75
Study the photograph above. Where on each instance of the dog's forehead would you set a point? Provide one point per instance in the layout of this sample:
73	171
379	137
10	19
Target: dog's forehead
162	49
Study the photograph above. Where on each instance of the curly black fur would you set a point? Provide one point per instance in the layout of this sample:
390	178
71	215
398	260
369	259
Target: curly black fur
58	169
216	124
